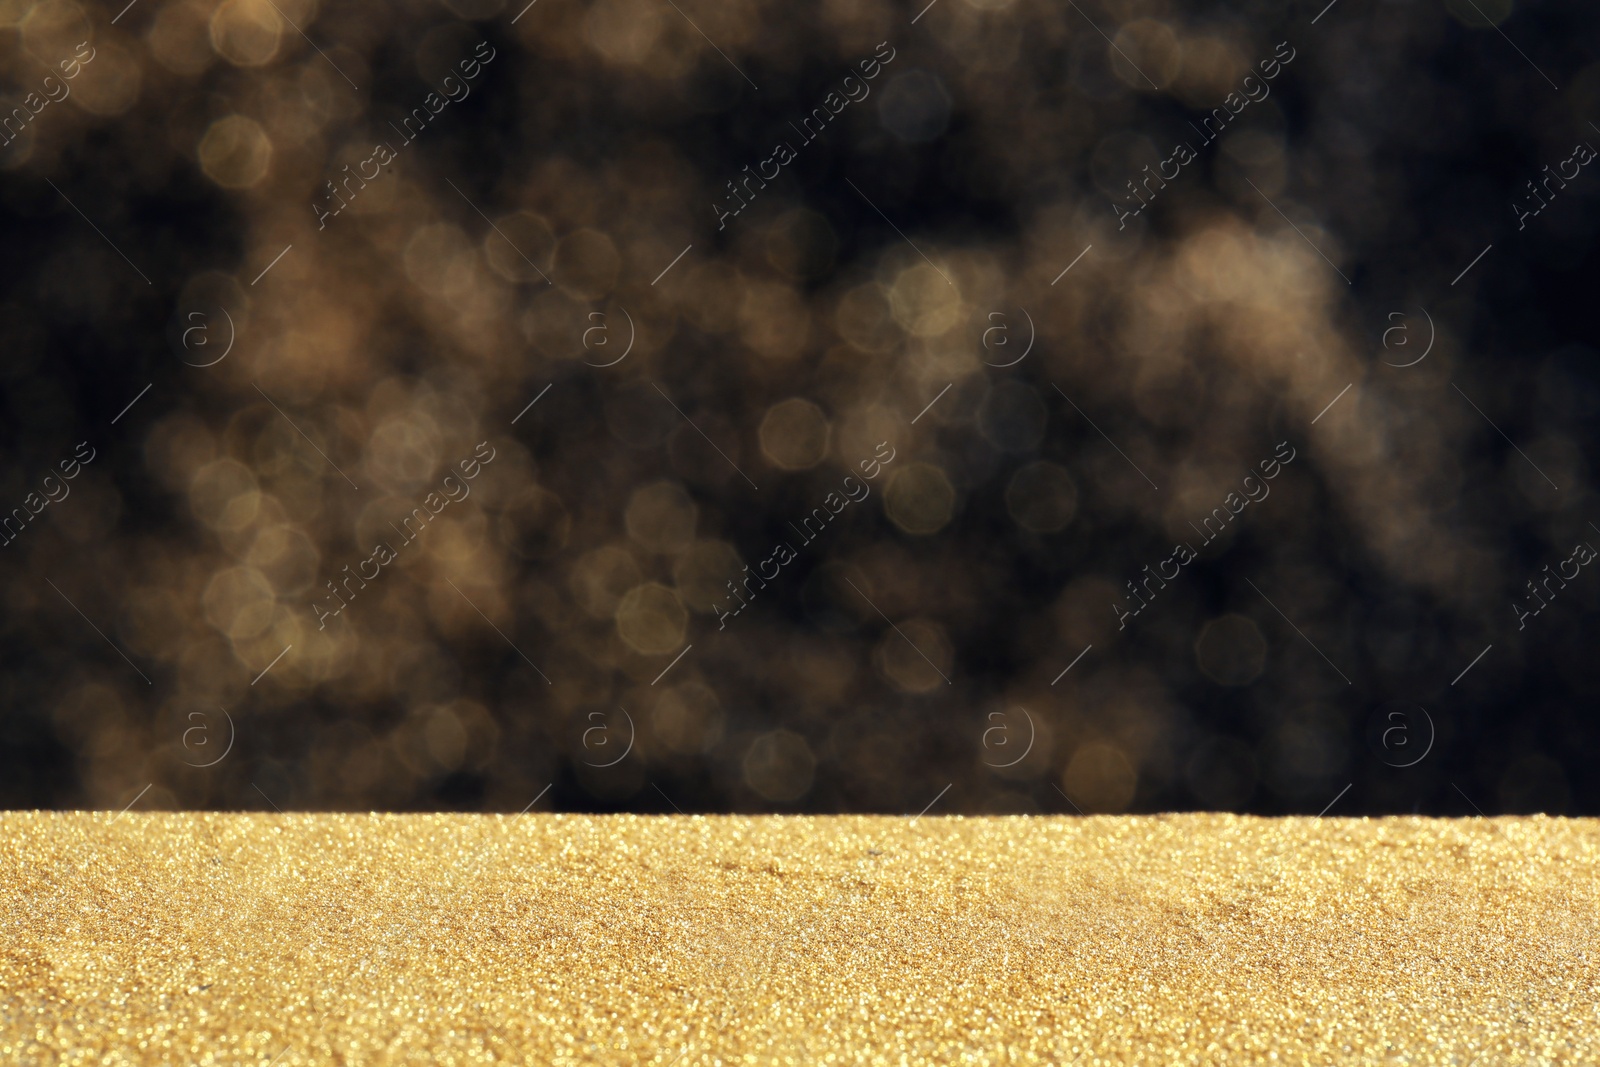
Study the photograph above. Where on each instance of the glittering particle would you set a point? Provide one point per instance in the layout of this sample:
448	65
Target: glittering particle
541	939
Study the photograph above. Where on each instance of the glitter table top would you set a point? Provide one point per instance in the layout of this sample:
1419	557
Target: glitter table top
545	939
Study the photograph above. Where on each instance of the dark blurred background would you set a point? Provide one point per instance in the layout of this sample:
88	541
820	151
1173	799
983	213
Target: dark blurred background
1371	264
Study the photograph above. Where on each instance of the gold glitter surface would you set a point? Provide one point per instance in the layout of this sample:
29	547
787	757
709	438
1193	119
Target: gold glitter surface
450	939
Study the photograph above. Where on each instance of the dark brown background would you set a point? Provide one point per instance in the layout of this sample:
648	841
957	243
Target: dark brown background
821	321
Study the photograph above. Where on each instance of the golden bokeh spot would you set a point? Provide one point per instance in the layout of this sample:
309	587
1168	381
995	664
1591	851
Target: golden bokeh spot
223	495
1099	779
1230	650
712	298
862	430
1018	742
864	318
535	524
180	37
651	619
800	244
1079	612
462	542
703	572
1584	93
1212	68
441	261
12	12
52	31
18	151
1261	154
774	320
239	602
661	517
688	718
437	739
1041	497
795	434
286	557
473	10
1143	48
623	31
779	766
515	236
284	627
109	85
925	302
246	33
445	739
235	152
601	578
919	499
555	323
337	652
391	520
586	263
267	510
1480	14
404	451
916	657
